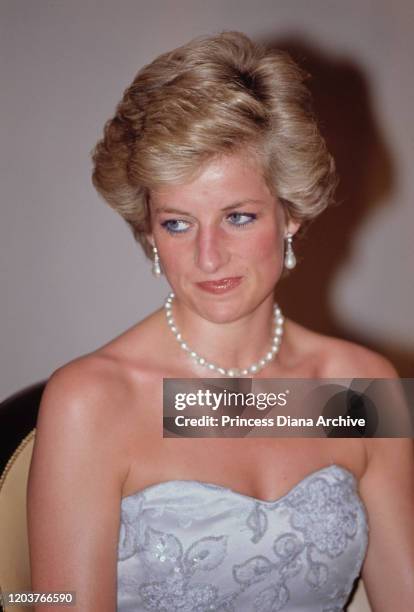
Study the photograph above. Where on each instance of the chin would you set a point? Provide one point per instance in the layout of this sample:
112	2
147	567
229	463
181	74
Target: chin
220	316
225	308
221	311
208	307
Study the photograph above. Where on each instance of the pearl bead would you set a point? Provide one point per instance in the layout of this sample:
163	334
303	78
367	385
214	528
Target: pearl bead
233	372
278	321
290	261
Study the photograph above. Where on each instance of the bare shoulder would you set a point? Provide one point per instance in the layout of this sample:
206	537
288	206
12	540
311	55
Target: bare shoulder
89	384
348	359
338	358
99	393
98	389
86	400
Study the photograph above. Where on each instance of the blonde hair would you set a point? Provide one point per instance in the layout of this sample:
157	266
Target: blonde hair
213	96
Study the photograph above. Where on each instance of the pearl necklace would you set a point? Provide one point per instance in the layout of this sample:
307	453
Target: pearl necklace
232	372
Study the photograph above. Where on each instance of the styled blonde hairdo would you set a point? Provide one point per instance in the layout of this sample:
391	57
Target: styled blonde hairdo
213	96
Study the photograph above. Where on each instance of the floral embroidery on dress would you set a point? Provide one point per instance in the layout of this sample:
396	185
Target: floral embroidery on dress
325	513
164	556
307	547
257	522
130	519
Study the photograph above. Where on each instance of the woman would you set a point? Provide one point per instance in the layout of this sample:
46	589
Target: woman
214	159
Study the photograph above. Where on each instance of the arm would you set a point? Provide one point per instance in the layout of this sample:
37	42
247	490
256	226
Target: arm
75	485
387	489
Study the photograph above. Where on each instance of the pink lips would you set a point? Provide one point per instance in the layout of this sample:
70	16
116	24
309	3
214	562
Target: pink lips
222	285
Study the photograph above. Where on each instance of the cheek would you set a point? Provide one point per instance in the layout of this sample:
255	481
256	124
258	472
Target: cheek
172	257
176	258
268	247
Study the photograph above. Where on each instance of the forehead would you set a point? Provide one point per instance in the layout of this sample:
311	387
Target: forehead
219	183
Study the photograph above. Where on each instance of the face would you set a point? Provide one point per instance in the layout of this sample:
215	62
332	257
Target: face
220	238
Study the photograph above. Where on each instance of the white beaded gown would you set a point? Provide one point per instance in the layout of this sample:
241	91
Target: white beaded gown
190	546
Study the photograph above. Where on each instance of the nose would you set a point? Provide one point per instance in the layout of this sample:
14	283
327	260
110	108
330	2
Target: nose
211	249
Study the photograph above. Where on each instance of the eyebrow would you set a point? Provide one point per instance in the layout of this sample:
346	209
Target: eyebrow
168	209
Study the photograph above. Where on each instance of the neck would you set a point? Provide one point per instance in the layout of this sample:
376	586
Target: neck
237	344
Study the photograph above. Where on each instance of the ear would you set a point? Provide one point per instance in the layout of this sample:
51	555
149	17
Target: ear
292	226
150	239
148	234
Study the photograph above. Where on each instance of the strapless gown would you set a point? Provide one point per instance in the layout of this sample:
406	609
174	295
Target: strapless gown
190	546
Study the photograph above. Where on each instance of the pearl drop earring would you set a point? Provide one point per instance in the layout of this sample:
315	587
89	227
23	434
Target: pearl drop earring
290	259
156	268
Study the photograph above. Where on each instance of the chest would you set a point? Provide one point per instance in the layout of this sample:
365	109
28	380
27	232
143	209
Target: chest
264	468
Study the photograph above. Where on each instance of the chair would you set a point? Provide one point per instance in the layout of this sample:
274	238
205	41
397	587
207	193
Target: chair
18	416
359	600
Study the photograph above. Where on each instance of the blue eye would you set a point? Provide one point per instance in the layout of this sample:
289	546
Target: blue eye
175	226
240	219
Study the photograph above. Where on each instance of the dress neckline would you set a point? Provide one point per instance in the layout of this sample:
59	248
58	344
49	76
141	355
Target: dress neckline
223	489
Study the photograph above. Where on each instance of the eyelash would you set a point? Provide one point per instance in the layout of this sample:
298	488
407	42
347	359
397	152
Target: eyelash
251	218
